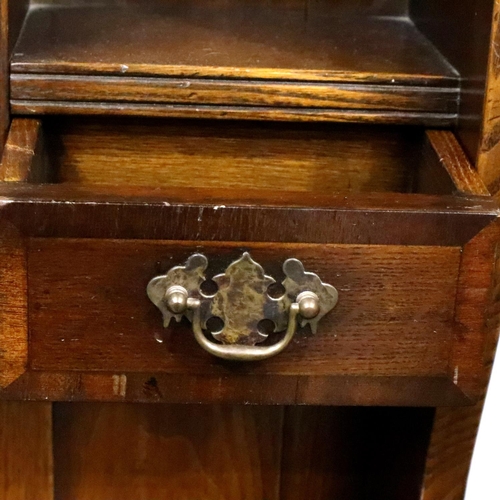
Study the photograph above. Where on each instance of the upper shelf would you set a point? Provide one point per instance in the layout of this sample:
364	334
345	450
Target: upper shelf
269	61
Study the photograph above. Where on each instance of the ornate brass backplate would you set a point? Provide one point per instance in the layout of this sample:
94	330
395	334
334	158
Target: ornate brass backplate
242	302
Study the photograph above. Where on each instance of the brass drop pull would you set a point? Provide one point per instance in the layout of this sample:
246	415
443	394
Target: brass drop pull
242	302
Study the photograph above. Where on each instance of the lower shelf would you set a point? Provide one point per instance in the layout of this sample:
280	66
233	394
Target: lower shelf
180	452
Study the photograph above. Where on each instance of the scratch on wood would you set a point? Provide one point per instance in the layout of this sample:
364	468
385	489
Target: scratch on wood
120	385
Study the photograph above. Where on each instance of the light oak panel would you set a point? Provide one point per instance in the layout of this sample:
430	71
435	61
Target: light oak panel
316	159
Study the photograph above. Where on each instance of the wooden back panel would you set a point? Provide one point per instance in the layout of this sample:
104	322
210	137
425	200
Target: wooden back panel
125	452
303	158
12	13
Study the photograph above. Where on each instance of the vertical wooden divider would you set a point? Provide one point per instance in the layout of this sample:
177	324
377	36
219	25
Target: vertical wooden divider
4	72
488	162
26	464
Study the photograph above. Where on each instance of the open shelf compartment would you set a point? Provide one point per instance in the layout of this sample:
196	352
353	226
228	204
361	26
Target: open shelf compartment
288	60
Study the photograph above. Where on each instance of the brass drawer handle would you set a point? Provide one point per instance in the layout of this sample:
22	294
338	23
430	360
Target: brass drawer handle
242	302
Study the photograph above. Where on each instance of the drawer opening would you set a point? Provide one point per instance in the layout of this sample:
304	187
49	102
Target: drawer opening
244	156
331	60
240	162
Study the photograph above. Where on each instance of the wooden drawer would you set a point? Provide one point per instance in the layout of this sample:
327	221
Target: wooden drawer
412	260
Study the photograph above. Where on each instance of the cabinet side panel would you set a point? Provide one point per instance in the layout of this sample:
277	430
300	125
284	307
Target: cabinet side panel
12	14
461	31
489	153
4	72
455	429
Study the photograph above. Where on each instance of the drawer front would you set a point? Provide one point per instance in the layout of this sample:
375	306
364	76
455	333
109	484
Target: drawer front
408	328
389	340
89	309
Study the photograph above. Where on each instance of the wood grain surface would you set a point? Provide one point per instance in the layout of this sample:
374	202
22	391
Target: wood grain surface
262	113
167	54
12	14
26	451
4	72
489	151
455	430
272	42
462	32
465	177
70	211
13	307
213	92
178	452
25	157
341	390
245	156
385	324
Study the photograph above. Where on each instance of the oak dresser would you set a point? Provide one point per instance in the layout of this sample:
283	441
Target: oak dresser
248	248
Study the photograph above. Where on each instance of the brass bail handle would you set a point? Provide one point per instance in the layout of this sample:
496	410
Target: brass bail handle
306	300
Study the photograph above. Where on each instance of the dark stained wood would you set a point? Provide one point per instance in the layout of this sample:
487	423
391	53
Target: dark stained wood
342	390
476	308
450	452
212	92
342	7
461	31
384	324
17	13
12	14
354	453
209	41
26	451
19	152
316	159
314	59
233	112
444	168
178	452
322	454
4	72
451	156
455	430
215	215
